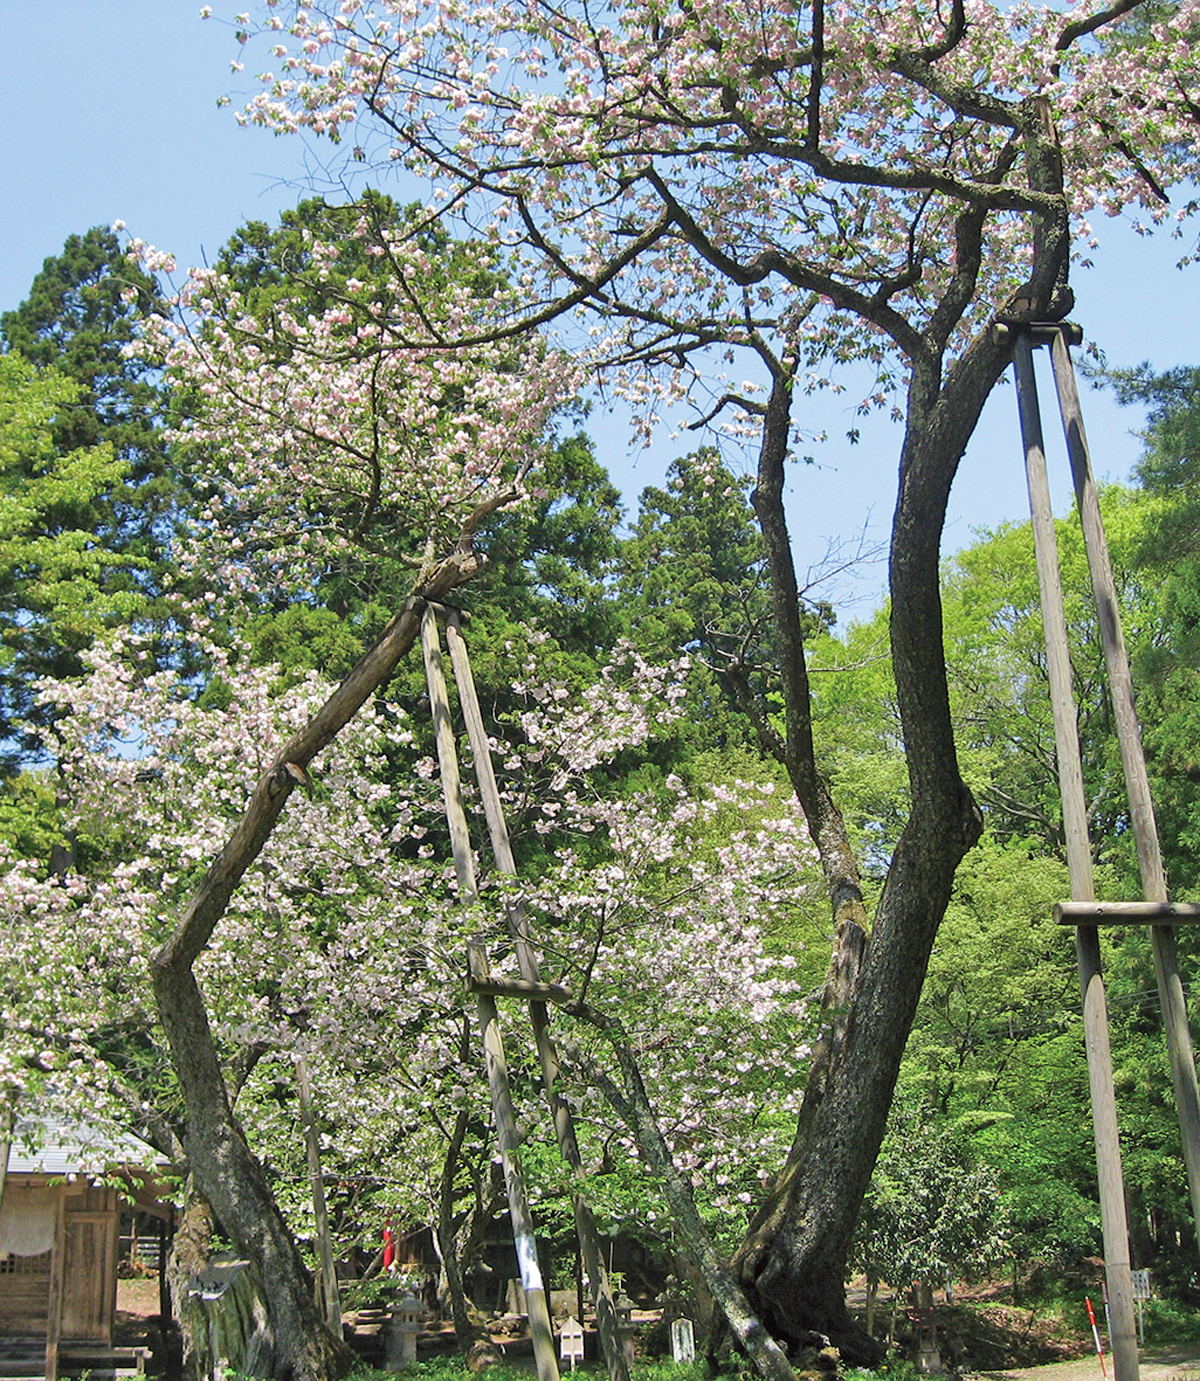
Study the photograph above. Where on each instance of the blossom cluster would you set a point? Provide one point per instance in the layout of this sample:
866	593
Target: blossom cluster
346	940
355	423
786	171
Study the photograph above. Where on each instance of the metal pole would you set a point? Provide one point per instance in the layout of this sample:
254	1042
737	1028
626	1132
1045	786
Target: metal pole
540	1330
1079	861
607	1319
1133	761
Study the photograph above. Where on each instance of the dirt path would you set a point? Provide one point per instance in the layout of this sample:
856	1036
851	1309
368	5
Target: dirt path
1161	1364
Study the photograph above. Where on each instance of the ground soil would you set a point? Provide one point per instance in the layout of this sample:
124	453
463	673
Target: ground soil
137	1302
1158	1364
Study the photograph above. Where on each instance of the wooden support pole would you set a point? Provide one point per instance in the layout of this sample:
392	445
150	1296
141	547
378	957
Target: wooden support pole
536	1303
520	987
514	1180
1079	861
1126	913
1137	781
329	1298
54	1309
608	1321
8	1122
447	752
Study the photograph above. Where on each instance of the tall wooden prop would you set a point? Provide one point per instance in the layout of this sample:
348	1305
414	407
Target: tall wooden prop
607	1320
329	1298
8	1121
1133	762
497	1069
1079	862
54	1309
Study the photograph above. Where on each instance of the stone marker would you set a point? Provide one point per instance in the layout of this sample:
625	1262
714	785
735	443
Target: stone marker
683	1342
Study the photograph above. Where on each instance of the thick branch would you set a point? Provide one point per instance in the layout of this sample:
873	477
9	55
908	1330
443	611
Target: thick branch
1078	28
275	785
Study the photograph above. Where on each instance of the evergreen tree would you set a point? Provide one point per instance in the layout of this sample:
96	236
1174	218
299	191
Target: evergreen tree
694	579
66	359
59	582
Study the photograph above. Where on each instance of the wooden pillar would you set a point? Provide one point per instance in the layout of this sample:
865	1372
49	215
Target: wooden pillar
1079	860
541	1332
1133	762
8	1119
536	1303
54	1309
607	1320
447	752
329	1298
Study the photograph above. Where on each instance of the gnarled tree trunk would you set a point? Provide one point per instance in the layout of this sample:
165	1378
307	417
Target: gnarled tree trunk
793	1262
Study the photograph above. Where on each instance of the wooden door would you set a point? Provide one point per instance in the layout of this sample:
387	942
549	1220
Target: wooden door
89	1276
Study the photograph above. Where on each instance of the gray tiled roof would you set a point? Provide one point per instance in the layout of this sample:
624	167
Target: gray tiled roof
61	1148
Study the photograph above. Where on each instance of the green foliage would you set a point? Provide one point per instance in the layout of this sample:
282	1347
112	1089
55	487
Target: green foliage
453	1368
1001	977
83	309
857	725
894	1369
57	585
87	498
1169	1321
551	561
932	1210
693	579
29	815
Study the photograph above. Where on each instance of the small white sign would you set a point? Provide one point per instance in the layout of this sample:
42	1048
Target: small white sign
570	1342
1141	1284
683	1342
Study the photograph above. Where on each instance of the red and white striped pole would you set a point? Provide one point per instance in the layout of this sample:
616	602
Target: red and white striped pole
1096	1335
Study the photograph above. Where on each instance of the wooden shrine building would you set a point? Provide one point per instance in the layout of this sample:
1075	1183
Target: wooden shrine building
64	1194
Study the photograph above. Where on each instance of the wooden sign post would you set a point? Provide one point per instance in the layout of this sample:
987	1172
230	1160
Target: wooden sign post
570	1342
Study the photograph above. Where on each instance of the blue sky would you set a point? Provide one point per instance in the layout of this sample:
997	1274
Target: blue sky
109	111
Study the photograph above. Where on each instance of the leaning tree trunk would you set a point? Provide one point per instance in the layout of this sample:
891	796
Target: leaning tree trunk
226	1171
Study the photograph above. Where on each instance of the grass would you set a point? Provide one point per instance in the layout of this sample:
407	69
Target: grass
452	1368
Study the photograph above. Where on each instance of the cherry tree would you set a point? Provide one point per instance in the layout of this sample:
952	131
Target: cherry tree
343	942
784	190
327	437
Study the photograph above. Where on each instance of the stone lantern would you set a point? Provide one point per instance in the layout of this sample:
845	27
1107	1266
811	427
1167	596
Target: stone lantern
624	1308
401	1341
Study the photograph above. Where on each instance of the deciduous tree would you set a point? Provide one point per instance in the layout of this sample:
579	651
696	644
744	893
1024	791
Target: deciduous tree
796	188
